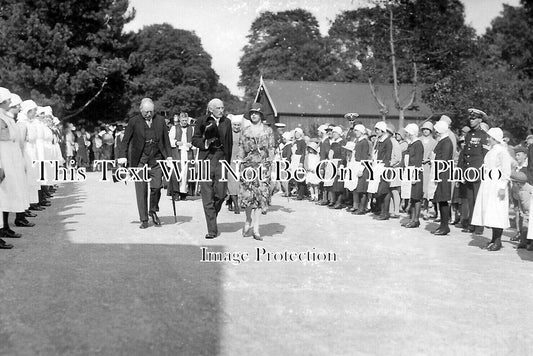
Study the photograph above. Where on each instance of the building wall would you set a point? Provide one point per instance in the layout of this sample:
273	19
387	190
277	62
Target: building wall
267	108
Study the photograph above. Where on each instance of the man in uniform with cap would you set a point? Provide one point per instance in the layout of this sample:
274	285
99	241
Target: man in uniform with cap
475	149
278	132
350	134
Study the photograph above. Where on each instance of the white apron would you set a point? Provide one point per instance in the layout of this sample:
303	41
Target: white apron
490	210
13	190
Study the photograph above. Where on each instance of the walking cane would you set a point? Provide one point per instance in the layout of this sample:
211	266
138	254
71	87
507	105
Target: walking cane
174	208
196	186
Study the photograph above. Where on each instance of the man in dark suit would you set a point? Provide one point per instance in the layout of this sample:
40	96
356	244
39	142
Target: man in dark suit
213	137
146	140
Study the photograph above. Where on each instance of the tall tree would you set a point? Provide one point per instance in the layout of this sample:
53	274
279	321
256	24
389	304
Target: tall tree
69	54
431	33
171	66
398	42
283	45
499	79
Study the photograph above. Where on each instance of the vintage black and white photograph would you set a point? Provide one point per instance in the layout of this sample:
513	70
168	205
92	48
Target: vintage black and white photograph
261	177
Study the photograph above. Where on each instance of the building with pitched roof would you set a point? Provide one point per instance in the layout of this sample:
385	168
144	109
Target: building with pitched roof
308	104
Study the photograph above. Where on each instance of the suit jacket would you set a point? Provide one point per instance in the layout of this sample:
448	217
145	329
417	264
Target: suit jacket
223	134
133	141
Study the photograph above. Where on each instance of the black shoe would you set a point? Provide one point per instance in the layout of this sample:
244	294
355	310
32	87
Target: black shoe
29	214
4	245
144	225
155	218
441	232
45	203
468	230
382	217
210	236
36	207
521	245
496	246
337	207
8	233
24	223
412	224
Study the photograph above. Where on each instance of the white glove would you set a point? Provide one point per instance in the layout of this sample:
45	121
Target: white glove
122	160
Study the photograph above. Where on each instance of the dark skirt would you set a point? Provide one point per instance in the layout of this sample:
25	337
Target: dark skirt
456	196
362	183
443	191
383	188
337	187
417	189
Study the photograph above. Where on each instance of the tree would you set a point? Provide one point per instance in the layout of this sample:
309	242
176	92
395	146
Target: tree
68	54
171	66
496	91
498	79
284	45
508	39
400	42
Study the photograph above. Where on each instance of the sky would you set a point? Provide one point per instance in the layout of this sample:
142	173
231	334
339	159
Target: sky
222	25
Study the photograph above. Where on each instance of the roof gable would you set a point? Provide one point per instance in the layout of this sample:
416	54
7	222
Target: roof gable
335	98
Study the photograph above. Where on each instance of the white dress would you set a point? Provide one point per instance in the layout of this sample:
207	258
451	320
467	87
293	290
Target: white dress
312	160
490	210
13	190
28	151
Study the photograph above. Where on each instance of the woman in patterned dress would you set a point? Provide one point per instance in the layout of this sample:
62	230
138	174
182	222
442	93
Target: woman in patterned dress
256	151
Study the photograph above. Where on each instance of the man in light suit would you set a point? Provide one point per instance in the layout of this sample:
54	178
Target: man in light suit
214	139
146	140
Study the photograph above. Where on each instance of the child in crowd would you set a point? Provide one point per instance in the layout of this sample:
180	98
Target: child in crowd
312	160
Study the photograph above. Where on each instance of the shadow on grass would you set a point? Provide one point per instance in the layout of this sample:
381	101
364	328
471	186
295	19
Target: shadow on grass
478	241
269	229
280	208
431	226
109	299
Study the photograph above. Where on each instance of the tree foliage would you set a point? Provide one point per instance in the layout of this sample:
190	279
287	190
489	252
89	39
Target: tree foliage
283	45
171	66
61	53
498	79
433	34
